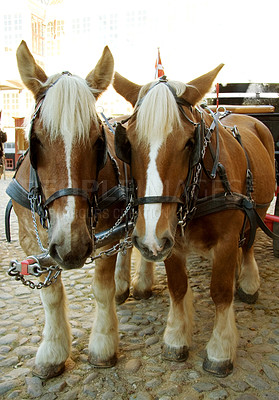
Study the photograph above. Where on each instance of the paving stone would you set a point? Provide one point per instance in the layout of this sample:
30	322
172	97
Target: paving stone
218	394
34	386
5	349
257	382
58	387
7	385
140	372
270	373
140	396
9	338
133	365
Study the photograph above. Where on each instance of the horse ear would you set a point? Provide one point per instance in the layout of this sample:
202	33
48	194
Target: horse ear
31	73
197	89
100	77
126	88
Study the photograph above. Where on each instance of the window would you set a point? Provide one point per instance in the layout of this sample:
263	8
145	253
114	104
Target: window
11	106
81	26
12	27
55	31
37	35
9	163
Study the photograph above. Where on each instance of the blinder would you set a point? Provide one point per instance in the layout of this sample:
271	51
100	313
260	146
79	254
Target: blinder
101	144
198	145
122	144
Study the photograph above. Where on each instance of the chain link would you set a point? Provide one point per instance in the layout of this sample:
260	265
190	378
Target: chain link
184	214
32	206
117	223
52	274
119	247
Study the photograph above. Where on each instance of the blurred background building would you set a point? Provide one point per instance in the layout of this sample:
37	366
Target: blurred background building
194	37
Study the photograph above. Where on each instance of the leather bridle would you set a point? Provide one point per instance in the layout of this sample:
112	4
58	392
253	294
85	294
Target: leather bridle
186	203
36	196
190	206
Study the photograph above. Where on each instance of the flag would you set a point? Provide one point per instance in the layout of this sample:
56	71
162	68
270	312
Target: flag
159	70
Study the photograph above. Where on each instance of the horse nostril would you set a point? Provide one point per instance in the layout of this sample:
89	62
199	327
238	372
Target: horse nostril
53	252
167	243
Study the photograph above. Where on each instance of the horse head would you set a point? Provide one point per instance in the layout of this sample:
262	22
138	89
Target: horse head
160	142
67	148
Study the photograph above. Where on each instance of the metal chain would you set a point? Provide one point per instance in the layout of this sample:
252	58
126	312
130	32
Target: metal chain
119	247
117	223
183	218
54	269
32	206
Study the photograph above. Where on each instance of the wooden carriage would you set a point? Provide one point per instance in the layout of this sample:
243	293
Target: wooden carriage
244	98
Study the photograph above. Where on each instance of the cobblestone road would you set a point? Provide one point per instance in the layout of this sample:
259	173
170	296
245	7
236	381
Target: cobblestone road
140	373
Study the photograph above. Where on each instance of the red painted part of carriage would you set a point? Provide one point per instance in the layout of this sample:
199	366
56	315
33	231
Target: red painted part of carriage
269	218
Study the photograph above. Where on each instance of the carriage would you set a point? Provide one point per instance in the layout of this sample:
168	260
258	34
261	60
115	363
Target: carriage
260	101
185	178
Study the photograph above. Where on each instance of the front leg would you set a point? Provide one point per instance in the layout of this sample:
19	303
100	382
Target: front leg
123	276
143	278
178	333
56	345
104	337
221	347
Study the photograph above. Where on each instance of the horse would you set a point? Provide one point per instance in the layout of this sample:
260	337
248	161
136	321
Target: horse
203	182
69	171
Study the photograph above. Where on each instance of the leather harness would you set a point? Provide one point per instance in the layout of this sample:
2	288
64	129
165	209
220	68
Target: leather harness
190	206
34	198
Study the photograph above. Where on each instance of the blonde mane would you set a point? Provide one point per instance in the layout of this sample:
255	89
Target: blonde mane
68	108
158	114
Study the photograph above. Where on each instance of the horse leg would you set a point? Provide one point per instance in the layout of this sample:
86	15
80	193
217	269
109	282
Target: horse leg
221	347
56	345
178	332
104	338
123	276
143	278
249	278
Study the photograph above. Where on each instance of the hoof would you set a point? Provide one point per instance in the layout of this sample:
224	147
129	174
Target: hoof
175	353
99	363
119	299
142	295
48	371
247	298
218	368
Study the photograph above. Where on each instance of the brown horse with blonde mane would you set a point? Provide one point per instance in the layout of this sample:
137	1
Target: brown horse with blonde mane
202	182
68	172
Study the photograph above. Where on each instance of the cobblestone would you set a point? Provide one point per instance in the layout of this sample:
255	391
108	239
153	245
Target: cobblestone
140	373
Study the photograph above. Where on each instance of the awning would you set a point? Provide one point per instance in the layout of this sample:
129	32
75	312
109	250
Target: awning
11	85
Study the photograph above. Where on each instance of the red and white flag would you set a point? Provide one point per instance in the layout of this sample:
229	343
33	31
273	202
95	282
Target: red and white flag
159	70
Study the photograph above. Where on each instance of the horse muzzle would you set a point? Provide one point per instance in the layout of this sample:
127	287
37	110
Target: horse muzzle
154	250
70	251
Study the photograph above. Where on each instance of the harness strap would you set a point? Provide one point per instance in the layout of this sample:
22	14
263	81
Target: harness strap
18	193
7	220
67	192
157	199
235	201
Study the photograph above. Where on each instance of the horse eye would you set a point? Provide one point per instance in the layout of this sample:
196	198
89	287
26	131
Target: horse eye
190	144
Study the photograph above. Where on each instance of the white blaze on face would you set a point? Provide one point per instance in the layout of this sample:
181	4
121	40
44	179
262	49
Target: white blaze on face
65	220
152	212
